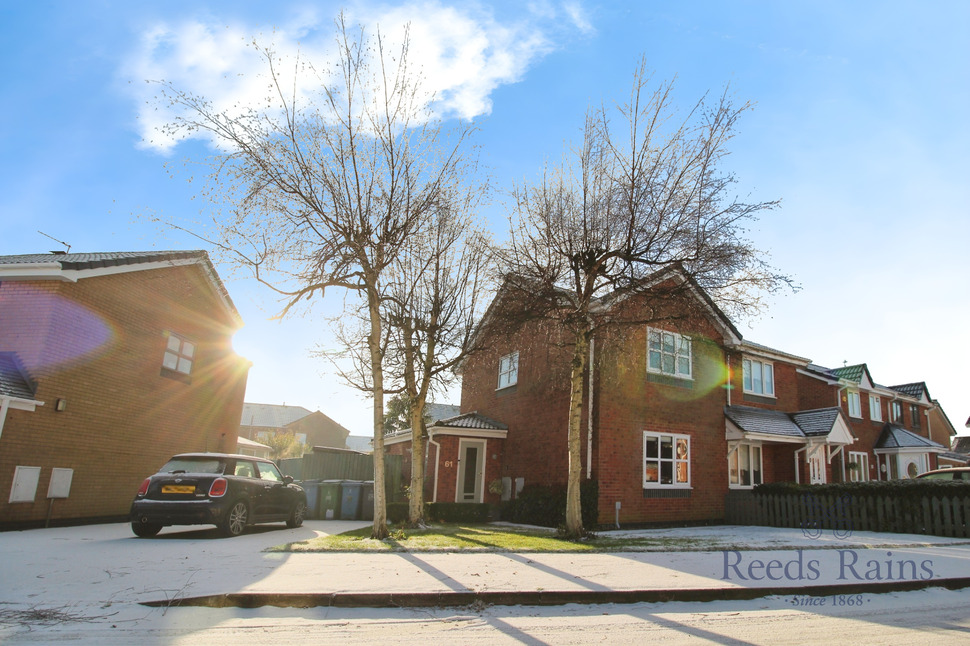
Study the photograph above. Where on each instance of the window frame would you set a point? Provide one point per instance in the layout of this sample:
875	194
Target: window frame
863	469
747	376
914	412
510	372
895	412
179	354
748	449
678	465
850	396
875	404
677	342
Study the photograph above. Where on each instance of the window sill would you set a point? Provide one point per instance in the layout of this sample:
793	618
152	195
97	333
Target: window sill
509	387
177	376
667	492
670	380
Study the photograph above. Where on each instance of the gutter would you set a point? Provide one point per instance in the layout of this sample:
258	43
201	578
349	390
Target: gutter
589	423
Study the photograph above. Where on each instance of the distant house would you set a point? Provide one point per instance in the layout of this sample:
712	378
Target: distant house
360	443
259	422
249	447
109	364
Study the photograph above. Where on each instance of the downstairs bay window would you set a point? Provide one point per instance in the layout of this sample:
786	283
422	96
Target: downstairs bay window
666	461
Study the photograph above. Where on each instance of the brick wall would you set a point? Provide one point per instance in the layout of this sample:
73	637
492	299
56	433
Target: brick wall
98	345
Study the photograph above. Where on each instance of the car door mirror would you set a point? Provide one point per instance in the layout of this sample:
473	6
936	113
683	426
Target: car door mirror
287	479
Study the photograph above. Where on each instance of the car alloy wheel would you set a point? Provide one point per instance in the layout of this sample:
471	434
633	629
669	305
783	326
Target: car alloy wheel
236	519
296	516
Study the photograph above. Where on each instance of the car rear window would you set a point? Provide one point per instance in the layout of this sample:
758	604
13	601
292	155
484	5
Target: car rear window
193	465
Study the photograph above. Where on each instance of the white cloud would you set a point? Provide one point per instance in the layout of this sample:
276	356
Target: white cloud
464	54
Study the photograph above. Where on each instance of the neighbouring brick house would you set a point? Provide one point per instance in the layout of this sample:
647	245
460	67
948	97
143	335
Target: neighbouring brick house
675	416
259	422
109	364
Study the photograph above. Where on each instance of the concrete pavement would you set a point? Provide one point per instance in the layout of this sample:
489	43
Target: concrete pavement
100	566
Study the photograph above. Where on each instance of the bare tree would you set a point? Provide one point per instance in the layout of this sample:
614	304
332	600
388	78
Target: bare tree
434	304
626	205
324	188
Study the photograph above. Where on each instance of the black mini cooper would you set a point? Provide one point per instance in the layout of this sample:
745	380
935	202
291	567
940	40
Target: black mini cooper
228	491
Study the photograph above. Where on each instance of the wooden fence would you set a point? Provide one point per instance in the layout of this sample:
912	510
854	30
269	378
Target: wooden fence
813	513
343	465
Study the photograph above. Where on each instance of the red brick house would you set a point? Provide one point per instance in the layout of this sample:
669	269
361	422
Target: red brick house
676	415
109	364
261	421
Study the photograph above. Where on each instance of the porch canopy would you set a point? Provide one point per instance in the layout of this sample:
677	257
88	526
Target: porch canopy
822	432
16	391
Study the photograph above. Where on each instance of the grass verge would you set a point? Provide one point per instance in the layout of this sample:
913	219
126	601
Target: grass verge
481	538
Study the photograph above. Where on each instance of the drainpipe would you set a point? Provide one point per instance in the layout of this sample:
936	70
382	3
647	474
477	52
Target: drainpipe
728	380
797	476
437	459
589	423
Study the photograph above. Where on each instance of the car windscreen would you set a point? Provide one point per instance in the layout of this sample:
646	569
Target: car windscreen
193	465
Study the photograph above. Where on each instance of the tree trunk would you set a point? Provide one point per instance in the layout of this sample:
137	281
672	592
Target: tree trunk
574	511
418	433
379	531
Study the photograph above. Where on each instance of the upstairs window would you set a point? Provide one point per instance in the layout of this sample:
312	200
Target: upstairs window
669	353
179	354
914	413
896	412
759	377
508	370
855	407
875	408
666	460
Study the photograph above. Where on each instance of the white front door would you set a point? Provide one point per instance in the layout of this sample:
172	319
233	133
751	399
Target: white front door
471	470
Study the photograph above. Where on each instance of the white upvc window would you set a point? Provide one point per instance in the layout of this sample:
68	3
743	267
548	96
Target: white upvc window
759	377
666	460
896	412
858	466
669	353
745	466
875	408
508	370
855	405
179	354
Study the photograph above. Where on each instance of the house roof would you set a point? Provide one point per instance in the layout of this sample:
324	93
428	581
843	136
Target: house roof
758	348
851	373
271	415
802	424
955	457
473	421
896	437
961	444
914	390
816	422
75	266
250	444
760	420
14	382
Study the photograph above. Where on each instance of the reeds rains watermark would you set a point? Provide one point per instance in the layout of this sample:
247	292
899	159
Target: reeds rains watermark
851	566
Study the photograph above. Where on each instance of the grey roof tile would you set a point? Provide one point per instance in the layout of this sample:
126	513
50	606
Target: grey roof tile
472	421
760	420
816	422
896	437
96	260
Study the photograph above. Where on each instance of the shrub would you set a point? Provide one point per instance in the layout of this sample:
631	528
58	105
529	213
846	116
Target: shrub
457	512
546	505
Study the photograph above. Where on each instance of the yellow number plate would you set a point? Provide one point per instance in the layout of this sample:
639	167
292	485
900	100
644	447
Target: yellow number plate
178	488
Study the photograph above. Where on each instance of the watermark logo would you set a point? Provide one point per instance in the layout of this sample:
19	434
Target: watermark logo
821	514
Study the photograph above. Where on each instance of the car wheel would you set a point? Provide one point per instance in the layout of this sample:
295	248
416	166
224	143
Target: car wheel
296	516
235	520
145	530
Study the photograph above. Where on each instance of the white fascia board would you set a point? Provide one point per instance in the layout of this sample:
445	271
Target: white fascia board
774	355
840	433
16	403
483	433
816	376
39	271
910	450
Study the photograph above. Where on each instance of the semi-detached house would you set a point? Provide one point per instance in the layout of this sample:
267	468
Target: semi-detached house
676	414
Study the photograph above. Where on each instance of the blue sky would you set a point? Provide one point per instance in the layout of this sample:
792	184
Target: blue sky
860	128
